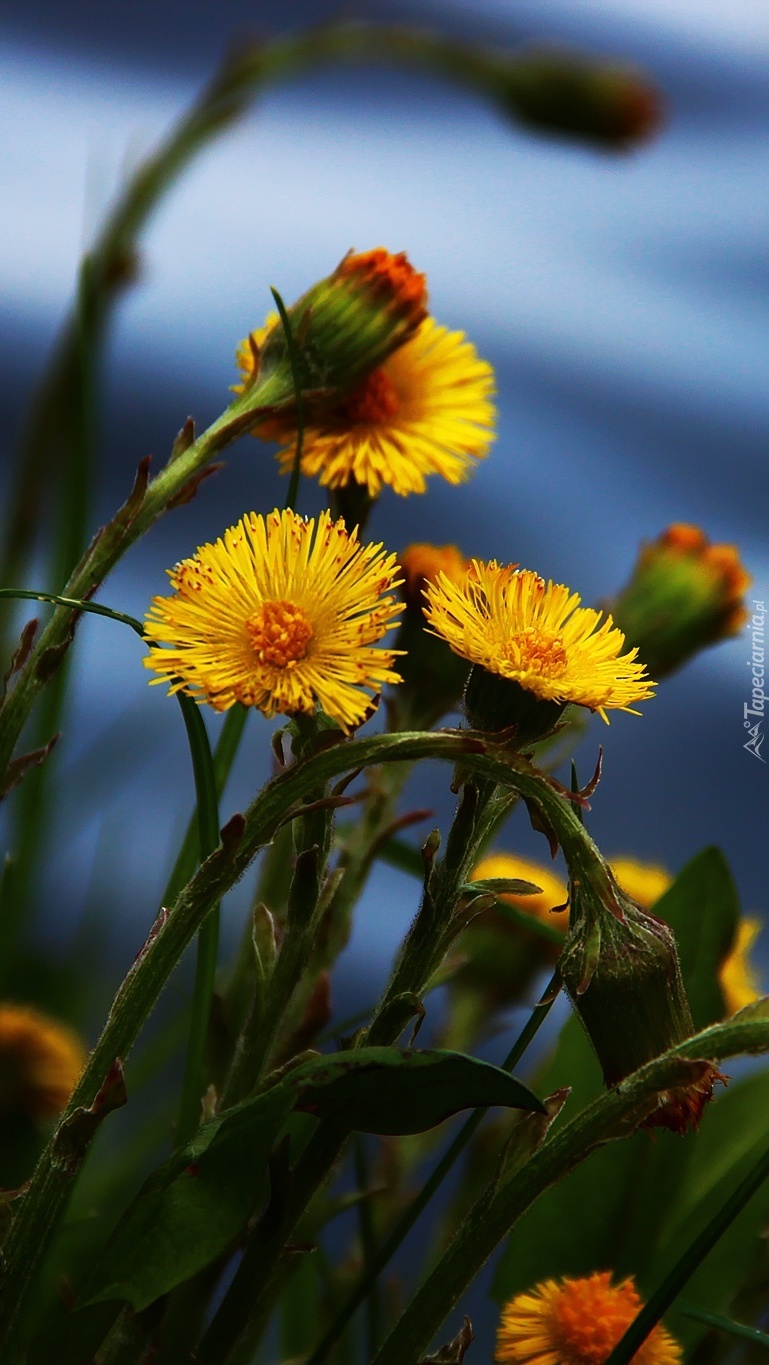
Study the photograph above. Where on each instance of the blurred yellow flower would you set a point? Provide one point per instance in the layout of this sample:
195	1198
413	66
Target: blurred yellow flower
643	882
541	906
40	1063
738	977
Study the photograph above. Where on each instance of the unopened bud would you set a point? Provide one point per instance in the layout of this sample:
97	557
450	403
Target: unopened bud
611	106
621	971
433	676
345	325
684	595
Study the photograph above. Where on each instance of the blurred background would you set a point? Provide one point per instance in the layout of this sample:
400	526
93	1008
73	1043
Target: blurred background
620	298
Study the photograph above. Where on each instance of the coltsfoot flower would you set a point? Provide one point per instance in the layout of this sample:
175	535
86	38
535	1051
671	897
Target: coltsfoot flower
577	1322
515	626
40	1063
282	614
425	410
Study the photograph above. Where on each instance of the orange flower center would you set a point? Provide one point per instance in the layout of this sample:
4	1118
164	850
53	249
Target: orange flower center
279	634
536	651
590	1316
375	400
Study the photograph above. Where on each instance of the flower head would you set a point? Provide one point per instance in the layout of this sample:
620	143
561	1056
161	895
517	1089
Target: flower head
738	977
577	1322
40	1062
281	614
684	595
515	625
426	409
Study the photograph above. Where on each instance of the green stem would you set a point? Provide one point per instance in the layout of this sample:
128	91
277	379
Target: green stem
682	1271
368	1247
225	753
377	1262
312	841
293	359
72	501
430	935
208	934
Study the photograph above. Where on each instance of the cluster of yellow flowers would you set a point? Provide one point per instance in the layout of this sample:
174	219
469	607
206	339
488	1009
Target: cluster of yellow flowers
282	613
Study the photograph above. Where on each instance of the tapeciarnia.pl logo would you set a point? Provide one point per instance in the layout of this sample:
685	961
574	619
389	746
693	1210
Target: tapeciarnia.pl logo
753	711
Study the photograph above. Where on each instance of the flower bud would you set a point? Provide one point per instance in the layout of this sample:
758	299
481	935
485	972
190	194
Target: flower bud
684	595
611	106
433	676
345	325
621	971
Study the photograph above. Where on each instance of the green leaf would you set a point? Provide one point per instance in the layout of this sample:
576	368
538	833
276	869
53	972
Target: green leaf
734	1135
381	1090
703	911
192	1209
502	886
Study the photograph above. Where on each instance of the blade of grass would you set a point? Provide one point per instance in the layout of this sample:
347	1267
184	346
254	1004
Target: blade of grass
677	1277
208	838
736	1329
296	469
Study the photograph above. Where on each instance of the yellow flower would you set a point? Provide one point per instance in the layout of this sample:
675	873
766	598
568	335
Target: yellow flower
577	1322
280	614
517	626
643	882
552	896
40	1062
738	977
425	410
